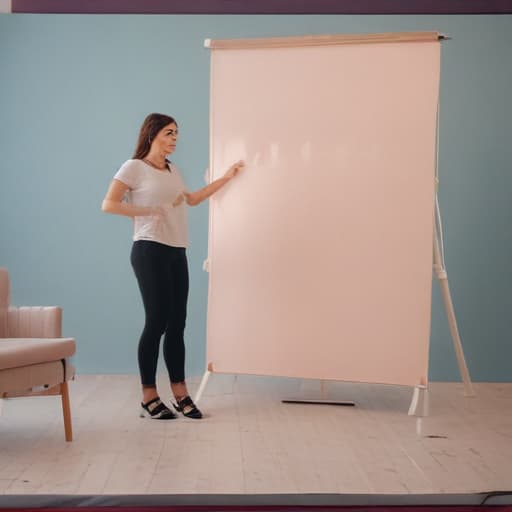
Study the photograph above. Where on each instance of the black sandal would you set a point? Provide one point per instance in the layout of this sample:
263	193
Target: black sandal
194	412
156	410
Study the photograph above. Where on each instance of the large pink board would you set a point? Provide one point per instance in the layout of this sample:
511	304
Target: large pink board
320	252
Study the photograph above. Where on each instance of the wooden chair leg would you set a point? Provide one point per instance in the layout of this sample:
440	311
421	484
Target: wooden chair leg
66	411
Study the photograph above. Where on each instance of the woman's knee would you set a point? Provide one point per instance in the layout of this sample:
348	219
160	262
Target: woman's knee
155	326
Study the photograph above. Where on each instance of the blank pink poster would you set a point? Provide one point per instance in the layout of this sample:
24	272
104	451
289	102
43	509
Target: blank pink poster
320	252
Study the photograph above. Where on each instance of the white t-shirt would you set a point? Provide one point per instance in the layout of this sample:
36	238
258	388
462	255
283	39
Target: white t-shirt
153	187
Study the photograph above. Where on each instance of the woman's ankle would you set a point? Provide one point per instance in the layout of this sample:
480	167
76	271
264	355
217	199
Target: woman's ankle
149	393
179	390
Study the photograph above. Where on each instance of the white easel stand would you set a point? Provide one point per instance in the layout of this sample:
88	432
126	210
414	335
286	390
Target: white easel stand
200	390
450	314
419	402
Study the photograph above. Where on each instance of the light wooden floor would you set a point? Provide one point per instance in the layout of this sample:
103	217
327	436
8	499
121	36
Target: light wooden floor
251	443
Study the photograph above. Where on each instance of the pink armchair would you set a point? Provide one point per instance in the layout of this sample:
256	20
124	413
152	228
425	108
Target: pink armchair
33	354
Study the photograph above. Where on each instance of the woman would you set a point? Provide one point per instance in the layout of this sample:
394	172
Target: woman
156	198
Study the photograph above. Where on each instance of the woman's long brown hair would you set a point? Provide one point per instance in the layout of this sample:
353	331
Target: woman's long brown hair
148	131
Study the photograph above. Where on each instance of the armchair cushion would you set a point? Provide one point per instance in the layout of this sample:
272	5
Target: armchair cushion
16	352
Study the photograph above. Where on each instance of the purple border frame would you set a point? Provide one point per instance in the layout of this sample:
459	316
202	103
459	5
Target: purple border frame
263	6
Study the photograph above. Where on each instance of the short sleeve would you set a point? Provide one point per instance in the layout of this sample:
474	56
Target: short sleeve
129	174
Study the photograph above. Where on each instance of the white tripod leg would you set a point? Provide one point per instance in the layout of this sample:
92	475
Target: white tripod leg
419	402
450	313
204	380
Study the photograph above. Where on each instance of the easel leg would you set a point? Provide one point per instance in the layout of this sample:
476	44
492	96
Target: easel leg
450	313
419	402
204	380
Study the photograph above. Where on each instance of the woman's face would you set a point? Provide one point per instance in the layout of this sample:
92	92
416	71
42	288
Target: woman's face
166	139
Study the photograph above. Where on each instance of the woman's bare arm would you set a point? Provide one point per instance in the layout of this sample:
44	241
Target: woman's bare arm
194	198
113	202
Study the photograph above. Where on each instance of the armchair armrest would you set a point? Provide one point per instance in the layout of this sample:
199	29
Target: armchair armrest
34	322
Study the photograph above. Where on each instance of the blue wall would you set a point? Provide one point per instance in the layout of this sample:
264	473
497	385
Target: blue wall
73	92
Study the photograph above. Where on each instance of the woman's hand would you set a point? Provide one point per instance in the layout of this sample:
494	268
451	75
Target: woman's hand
194	198
234	169
179	199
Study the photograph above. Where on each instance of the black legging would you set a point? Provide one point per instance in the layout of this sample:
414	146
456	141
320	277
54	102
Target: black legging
162	274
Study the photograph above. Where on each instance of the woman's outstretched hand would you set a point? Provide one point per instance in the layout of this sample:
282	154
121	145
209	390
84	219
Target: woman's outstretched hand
234	169
194	198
